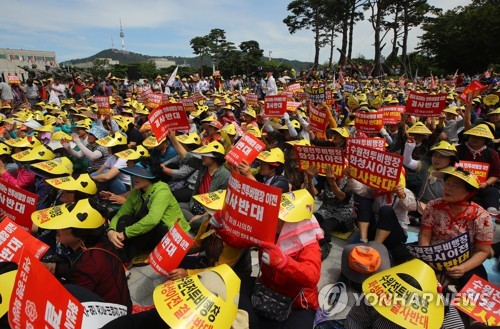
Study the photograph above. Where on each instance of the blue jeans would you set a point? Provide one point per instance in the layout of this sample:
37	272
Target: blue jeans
114	185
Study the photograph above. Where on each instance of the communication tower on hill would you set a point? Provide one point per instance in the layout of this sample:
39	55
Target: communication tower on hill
122	36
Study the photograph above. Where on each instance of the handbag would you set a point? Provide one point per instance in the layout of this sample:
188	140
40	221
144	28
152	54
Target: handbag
271	304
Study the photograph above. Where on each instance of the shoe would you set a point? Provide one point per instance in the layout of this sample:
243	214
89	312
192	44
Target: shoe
325	250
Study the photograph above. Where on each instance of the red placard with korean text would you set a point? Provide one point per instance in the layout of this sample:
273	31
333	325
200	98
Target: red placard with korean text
295	87
376	169
373	143
12	240
251	209
317	119
13	79
144	97
169	116
369	122
252	99
102	104
480	169
275	106
39	300
155	100
472	91
169	253
18	204
425	105
292	106
247	149
288	94
392	114
321	157
480	300
197	97
329	97
188	104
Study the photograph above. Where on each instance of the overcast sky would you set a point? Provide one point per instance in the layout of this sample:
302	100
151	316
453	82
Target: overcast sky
81	28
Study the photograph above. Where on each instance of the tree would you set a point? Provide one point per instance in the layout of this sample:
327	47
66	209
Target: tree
201	47
252	55
217	45
310	15
99	66
147	70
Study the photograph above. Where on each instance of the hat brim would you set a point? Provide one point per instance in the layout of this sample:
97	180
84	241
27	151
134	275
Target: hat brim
385	262
138	171
446	153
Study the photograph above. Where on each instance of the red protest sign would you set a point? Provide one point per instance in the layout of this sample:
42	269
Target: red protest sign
188	104
376	169
480	300
329	97
251	209
169	253
13	79
247	149
288	94
425	105
197	97
155	100
12	240
275	106
252	99
18	203
292	106
102	104
392	114
321	157
373	143
369	122
40	300
295	87
472	91
480	169
317	119
301	95
144	98
168	117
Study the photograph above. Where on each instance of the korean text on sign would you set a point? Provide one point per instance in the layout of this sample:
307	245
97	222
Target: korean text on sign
317	119
18	203
480	169
376	169
168	117
321	157
369	122
392	114
13	239
425	105
275	106
374	143
316	95
247	149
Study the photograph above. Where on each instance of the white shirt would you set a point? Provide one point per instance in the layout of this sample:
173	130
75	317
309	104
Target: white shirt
118	163
271	87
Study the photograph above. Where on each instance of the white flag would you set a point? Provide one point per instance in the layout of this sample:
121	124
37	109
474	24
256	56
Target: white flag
170	81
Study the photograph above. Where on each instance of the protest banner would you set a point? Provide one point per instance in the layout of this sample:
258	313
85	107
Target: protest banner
252	99
315	95
98	314
480	300
197	97
288	94
155	100
188	104
317	119
246	149
172	248
369	122
275	106
425	105
168	117
13	79
301	96
392	114
472	91
292	106
480	169
102	104
144	97
40	300
19	204
294	87
321	157
349	88
374	168
13	239
251	209
374	143
445	255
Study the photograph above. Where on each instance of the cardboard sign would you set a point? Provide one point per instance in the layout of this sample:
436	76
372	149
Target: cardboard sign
317	119
425	105
349	88
18	203
480	300
376	169
315	95
392	114
275	106
293	106
144	98
295	88
169	253
97	314
102	104
251	99
13	239
40	300
13	79
321	157
480	169
168	117
369	122
155	100
188	104
251	209
445	255
472	91
373	143
247	149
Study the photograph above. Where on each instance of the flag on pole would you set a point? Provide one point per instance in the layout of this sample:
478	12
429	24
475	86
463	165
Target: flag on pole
170	81
455	75
433	83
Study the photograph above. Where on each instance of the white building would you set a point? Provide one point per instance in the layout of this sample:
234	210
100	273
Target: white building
11	59
163	63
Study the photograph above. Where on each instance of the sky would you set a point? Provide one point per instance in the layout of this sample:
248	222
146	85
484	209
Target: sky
81	28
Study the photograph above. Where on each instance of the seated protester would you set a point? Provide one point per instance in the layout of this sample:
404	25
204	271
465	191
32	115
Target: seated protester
146	216
92	263
297	178
183	178
443	155
335	212
134	136
108	177
212	175
164	151
272	164
337	137
95	153
475	149
415	277
383	217
62	124
212	128
453	214
494	117
453	123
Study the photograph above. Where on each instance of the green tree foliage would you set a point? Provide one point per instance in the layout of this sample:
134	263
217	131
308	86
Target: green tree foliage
100	67
252	55
201	47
